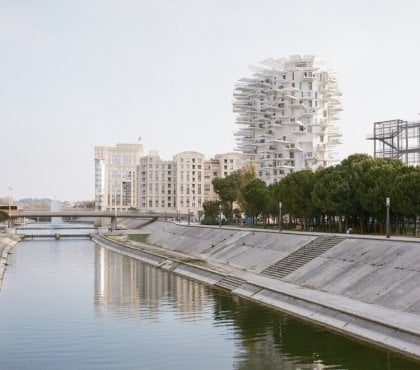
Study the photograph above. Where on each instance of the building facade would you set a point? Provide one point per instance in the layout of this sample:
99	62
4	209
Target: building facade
116	176
220	166
189	178
288	114
156	189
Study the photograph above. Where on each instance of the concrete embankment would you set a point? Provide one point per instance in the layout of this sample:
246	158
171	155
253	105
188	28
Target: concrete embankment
7	242
367	288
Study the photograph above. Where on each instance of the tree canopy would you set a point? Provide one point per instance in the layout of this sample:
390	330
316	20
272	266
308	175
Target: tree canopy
349	195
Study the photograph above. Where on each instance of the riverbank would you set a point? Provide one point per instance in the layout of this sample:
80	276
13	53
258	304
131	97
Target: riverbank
7	242
363	287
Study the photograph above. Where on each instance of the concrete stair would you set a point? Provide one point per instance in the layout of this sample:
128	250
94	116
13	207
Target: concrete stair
302	256
229	283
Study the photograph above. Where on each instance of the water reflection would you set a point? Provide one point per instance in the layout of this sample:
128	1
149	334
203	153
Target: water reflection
122	281
263	338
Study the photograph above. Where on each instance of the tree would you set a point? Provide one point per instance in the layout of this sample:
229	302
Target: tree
355	166
3	216
227	189
405	195
255	197
331	193
294	191
211	211
375	186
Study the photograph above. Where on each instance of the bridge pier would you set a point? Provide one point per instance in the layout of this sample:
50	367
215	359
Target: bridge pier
10	222
113	223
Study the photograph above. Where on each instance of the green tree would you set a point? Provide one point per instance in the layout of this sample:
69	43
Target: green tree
405	196
294	191
3	216
211	212
355	167
227	189
331	194
375	186
255	198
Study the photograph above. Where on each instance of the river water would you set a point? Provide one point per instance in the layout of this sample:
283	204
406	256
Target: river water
70	304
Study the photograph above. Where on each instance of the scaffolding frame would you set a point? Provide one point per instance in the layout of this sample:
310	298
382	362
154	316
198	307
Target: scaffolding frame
397	139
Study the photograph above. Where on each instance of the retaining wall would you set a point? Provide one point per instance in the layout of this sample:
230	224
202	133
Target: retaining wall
7	242
363	287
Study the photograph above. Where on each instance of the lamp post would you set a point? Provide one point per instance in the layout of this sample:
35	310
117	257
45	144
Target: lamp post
280	216
188	217
115	201
220	215
10	199
10	207
388	205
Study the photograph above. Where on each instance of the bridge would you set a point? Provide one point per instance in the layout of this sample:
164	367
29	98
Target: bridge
71	213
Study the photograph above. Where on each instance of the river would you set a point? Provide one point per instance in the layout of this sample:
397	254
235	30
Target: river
70	304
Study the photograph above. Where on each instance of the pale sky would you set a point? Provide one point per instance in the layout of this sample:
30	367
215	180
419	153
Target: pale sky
79	73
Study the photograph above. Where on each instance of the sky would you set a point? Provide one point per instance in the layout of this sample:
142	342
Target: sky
84	73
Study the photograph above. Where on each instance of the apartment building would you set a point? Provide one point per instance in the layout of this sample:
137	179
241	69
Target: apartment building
126	179
189	187
156	183
116	176
288	114
220	166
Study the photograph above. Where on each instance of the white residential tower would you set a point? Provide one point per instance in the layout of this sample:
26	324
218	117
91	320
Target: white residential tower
287	113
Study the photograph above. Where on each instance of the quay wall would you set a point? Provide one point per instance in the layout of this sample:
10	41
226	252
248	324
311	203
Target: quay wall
364	287
7	242
372	270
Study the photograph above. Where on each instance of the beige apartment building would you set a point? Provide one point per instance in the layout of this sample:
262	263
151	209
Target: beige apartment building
116	176
189	167
126	179
156	190
220	166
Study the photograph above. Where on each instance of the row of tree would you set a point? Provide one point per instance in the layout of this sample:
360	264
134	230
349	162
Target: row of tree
350	195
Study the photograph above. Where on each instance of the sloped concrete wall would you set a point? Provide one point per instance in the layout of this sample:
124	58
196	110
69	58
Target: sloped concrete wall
253	251
385	272
7	242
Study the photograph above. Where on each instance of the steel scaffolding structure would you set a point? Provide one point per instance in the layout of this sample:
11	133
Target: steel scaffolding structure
397	139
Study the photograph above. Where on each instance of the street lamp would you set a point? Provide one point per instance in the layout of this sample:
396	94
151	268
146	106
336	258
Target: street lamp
188	217
388	205
220	215
10	199
280	216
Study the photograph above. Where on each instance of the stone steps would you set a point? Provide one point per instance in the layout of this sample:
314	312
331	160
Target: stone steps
302	256
229	283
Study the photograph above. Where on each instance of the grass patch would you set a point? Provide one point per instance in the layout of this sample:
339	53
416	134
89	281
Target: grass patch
115	238
141	238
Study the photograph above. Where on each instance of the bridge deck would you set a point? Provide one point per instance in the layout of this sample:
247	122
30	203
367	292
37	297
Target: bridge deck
79	213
